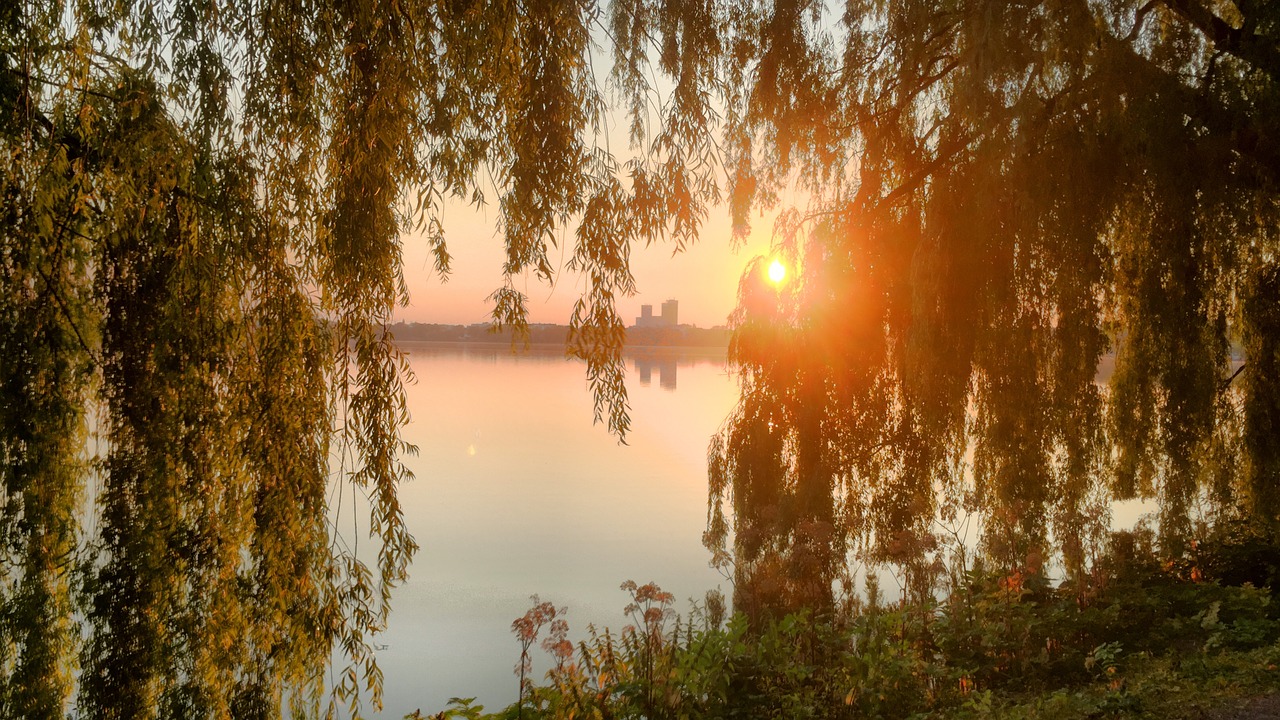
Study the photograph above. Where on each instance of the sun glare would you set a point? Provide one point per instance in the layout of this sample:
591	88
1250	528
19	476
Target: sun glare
777	271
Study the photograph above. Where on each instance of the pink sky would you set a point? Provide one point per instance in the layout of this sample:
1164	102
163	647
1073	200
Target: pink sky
704	278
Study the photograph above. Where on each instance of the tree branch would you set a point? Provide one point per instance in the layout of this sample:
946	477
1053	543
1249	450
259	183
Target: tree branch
1227	383
945	155
1252	136
53	83
1254	49
66	314
1138	19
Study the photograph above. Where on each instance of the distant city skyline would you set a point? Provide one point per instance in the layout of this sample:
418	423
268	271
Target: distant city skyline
704	277
669	317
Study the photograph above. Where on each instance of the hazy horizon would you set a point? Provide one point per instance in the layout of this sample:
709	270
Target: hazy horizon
703	277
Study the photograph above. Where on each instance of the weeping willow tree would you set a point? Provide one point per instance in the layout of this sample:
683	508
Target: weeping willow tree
203	209
1001	198
203	205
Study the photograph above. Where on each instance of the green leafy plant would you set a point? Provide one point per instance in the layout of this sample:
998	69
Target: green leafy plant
997	646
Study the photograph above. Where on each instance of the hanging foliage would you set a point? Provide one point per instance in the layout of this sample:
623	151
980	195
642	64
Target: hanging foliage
1001	197
203	209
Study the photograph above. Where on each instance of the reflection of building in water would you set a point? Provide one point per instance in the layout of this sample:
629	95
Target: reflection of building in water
666	371
668	318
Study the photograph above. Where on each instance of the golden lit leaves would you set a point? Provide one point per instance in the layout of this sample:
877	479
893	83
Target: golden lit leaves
219	193
49	344
201	223
1009	194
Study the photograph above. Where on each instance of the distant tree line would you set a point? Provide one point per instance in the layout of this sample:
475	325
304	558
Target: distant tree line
558	335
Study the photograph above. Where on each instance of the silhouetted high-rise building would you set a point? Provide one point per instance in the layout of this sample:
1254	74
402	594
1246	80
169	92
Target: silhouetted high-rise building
670	310
668	318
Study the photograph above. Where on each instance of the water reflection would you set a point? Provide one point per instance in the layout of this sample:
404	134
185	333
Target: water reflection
666	367
517	493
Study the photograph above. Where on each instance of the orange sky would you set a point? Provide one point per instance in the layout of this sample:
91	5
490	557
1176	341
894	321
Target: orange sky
704	278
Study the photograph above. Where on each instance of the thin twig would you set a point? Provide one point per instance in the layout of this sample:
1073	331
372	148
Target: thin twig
1229	380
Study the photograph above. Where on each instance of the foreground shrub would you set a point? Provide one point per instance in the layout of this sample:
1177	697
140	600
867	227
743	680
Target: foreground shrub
995	639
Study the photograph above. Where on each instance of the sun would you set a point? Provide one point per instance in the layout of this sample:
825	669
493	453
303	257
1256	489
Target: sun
777	271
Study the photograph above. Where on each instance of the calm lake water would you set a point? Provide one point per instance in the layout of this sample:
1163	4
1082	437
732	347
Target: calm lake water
518	493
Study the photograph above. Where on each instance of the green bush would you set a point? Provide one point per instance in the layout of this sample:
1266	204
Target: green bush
998	645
